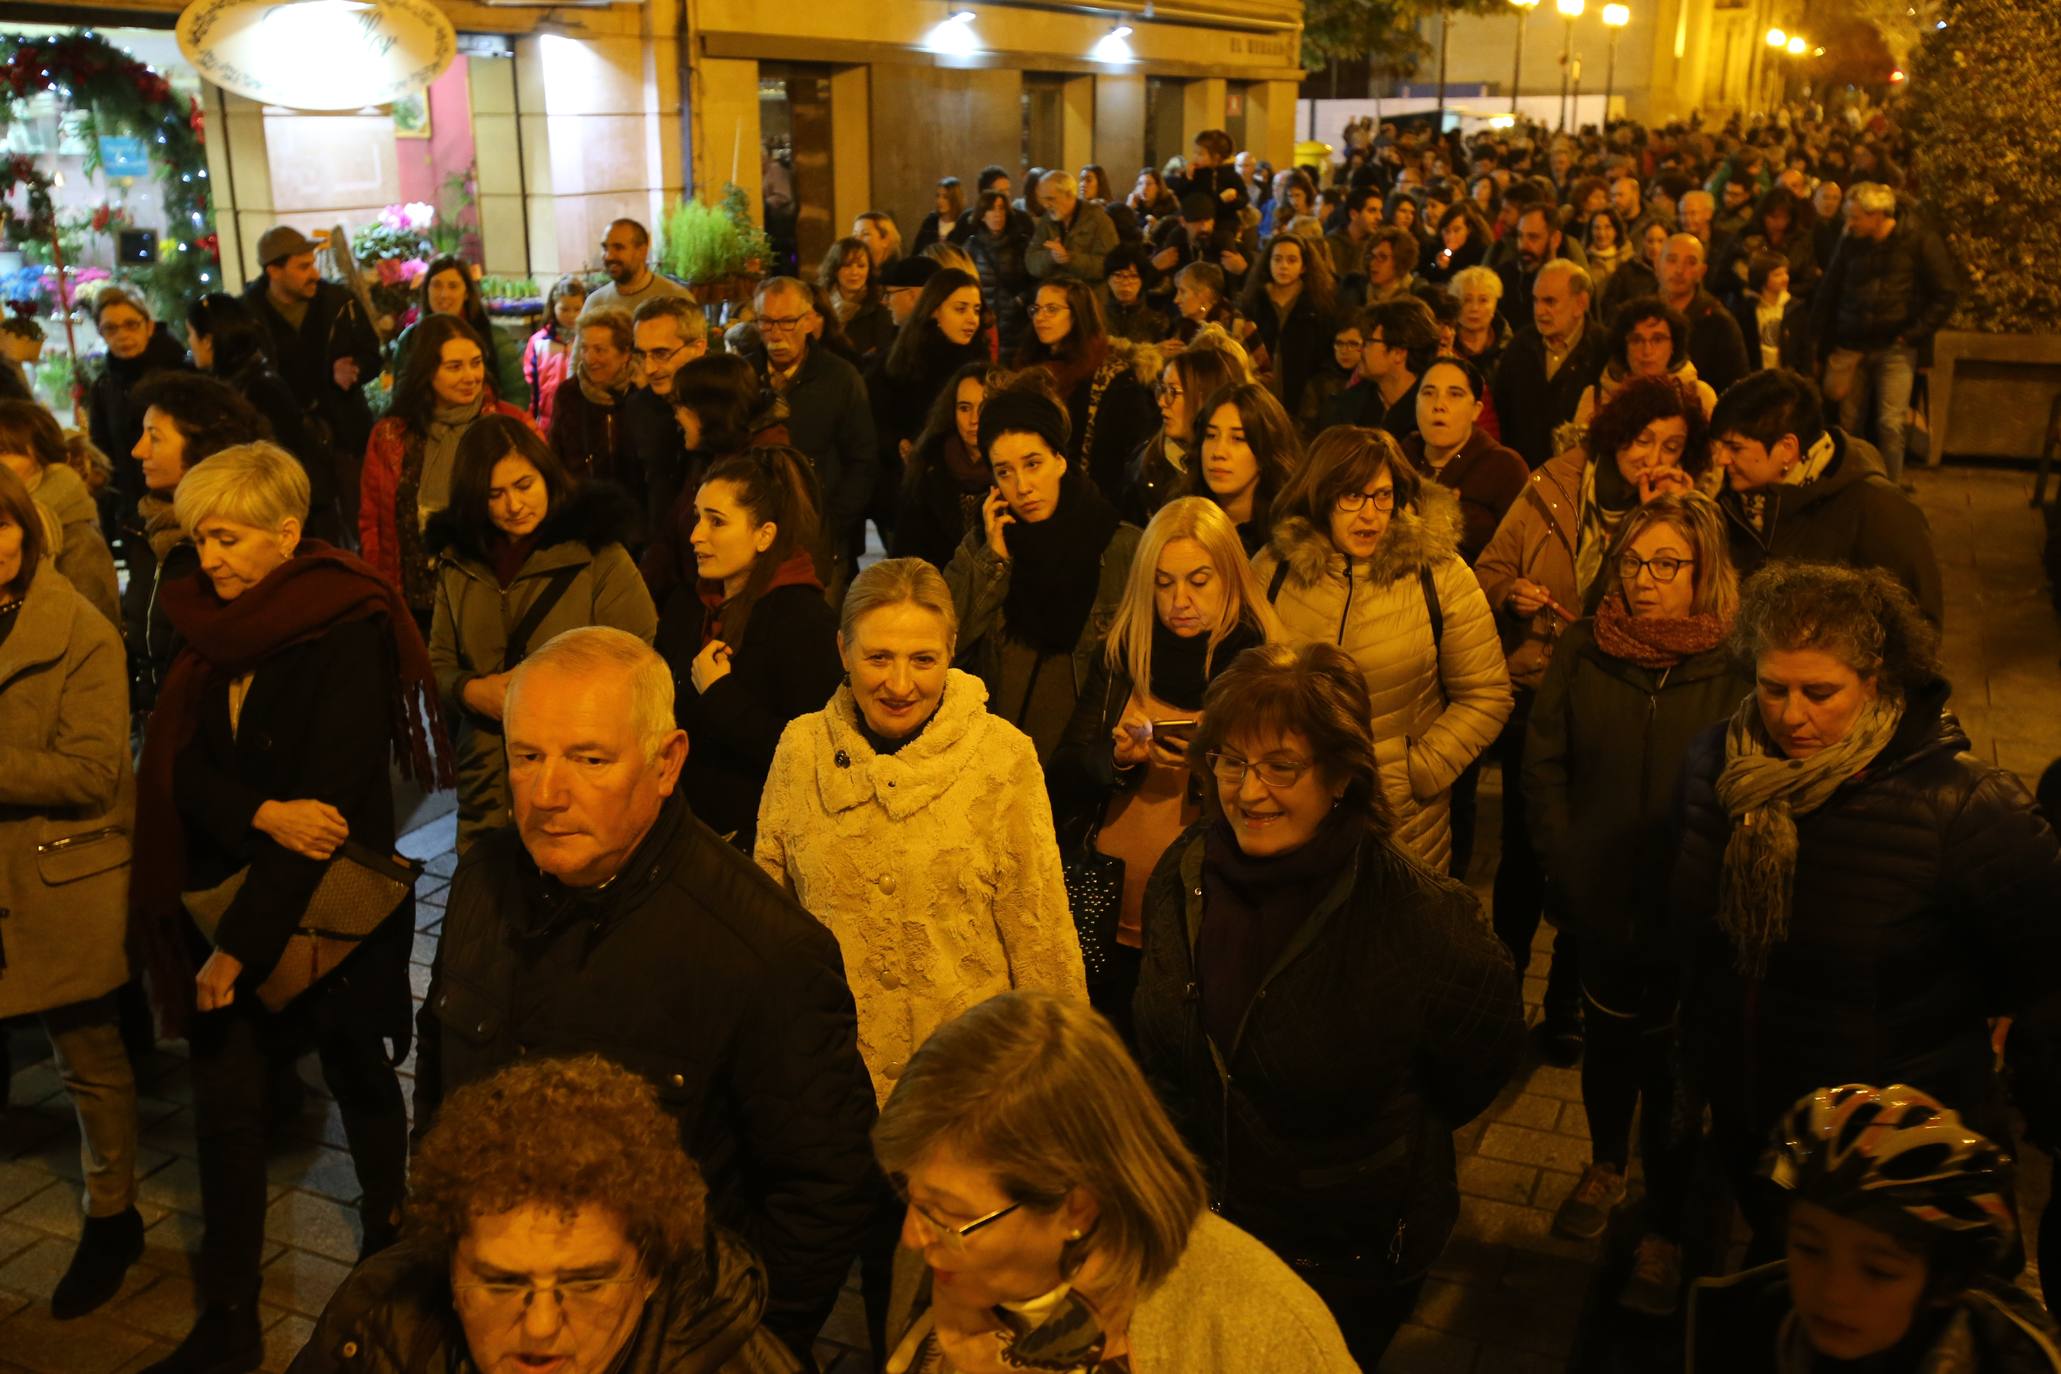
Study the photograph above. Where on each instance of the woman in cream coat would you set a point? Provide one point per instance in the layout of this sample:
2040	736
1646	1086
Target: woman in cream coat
915	826
1366	556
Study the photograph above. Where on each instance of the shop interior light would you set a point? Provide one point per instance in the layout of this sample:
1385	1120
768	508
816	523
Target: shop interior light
1571	9
1114	47
1616	16
1525	5
954	37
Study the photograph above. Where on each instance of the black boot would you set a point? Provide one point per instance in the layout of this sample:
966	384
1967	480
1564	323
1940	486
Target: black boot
226	1340
1563	1035
108	1246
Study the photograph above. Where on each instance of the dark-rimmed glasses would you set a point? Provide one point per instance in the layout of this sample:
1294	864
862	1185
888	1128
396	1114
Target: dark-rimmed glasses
1663	568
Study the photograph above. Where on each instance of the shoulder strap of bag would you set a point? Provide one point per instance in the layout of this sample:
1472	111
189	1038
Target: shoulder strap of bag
1431	607
1275	583
554	590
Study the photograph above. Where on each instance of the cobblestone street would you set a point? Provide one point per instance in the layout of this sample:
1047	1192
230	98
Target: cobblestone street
1507	1298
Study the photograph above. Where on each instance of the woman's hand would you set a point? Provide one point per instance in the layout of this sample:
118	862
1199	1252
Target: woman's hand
710	666
487	695
1132	736
995	517
312	829
1528	598
1167	259
1232	261
214	987
1655	483
1170	750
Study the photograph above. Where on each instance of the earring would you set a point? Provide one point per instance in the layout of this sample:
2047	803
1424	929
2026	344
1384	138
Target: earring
1073	1235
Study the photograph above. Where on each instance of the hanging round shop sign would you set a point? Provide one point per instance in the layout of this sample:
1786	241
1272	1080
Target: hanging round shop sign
318	54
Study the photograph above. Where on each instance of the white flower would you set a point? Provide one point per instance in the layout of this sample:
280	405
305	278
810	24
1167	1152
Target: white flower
420	214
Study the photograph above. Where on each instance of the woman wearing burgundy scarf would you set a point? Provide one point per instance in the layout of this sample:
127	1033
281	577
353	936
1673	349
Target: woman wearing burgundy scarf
1625	694
302	675
746	630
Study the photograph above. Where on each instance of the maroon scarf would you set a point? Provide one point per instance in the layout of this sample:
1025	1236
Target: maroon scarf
1654	642
303	599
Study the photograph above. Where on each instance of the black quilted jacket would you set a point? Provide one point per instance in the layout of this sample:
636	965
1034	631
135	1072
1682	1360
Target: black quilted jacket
692	969
1391	1019
1927	898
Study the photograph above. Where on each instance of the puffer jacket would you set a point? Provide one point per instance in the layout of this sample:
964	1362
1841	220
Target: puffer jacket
1927	898
475	615
394	1314
80	550
936	866
1602	766
1901	289
1740	1323
1536	542
1438	702
165	555
67	803
1851	514
1391	1019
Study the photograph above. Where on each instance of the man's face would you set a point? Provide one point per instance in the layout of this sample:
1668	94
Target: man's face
1697	209
293	278
538	1291
1736	196
1245	163
622	257
901	302
1555	307
1367	218
784	328
1867	224
1681	268
1537	240
585	790
1624	198
1058	203
1198	232
661	352
1378	361
604	360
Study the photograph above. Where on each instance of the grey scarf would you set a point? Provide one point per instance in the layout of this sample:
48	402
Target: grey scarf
1763	791
447	425
602	396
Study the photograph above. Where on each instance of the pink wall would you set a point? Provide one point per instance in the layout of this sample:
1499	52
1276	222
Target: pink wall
425	162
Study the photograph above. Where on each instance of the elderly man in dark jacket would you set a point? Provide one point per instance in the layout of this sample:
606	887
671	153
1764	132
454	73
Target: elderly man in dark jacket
829	416
1889	288
323	345
610	920
1550	363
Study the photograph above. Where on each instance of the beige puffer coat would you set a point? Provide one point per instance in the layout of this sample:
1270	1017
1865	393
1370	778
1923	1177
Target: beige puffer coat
1536	542
67	802
80	550
935	866
1435	710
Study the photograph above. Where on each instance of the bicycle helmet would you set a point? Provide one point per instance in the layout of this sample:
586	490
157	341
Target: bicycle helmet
1897	1158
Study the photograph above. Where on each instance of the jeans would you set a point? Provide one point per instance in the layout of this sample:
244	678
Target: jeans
235	1051
1888	374
94	1064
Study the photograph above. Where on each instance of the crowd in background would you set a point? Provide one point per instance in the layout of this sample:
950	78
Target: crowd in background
1052	902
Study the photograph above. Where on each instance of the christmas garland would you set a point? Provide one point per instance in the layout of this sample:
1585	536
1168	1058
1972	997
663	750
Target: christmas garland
122	95
34	227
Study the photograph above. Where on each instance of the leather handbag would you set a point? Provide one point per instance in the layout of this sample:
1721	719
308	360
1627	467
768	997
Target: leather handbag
1095	894
360	890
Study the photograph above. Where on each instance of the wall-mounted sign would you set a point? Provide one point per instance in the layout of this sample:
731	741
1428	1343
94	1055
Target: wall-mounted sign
122	156
318	54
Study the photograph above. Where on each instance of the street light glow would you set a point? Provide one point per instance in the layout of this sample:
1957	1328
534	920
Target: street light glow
1776	38
1616	16
1796	45
1525	4
1571	9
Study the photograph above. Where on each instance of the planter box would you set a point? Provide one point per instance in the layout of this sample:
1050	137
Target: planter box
1992	393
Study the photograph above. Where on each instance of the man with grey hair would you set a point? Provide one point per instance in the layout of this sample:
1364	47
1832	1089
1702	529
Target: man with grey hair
1072	237
1890	286
626	257
1550	362
609	920
829	416
1716	345
666	334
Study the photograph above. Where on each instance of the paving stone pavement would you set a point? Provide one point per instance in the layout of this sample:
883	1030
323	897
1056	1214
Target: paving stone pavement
1507	1297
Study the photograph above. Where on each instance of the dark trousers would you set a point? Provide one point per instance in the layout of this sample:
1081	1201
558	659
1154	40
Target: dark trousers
235	1053
1628	1064
1520	889
1112	995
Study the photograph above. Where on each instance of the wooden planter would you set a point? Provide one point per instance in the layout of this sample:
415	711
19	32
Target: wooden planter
1992	394
732	292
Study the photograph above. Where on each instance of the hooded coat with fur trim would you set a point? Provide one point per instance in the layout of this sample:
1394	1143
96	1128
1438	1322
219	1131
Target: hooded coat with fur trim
1120	412
936	867
1437	705
475	615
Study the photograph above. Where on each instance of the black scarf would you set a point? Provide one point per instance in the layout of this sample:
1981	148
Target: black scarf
1055	567
549	907
1252	908
1179	676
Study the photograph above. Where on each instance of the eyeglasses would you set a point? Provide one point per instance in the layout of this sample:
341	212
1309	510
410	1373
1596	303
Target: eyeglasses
1164	392
952	1237
1230	770
768	324
1663	568
1383	499
1039	312
124	326
661	356
585	1302
1348	345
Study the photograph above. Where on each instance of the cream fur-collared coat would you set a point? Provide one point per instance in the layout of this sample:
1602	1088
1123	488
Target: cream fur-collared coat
1435	712
936	866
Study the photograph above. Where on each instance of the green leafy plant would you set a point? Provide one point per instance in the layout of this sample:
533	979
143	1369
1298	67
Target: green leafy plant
706	243
510	288
1990	178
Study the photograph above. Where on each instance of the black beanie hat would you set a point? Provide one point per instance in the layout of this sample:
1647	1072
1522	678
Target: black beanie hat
1022	412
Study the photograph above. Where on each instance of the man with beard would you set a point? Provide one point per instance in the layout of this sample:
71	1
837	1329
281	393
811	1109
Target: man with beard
1539	241
625	255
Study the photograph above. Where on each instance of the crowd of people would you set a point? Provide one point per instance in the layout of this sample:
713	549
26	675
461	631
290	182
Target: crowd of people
1063	917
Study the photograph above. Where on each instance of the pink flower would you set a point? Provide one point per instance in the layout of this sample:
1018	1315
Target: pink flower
412	270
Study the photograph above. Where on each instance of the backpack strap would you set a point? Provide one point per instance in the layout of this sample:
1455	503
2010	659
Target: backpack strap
1274	584
554	590
1431	607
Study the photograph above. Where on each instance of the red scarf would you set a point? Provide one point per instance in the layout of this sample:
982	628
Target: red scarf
301	600
798	571
1654	642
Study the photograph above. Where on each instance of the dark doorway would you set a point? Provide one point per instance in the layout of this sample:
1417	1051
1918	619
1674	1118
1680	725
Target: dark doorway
794	131
1044	120
1163	96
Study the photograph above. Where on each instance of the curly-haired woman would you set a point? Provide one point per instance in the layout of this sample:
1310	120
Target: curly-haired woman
553	1220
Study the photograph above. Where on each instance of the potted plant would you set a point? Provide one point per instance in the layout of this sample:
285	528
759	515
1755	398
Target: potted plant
716	248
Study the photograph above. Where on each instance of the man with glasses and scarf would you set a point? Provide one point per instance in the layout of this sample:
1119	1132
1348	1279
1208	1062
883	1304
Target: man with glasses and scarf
667	333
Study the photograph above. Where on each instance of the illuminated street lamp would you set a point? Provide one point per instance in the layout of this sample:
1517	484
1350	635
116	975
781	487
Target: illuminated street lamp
1615	17
1570	10
1777	38
1796	46
1524	9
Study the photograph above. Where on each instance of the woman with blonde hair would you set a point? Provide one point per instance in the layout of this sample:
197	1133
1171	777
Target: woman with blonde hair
1365	554
1057	1221
882	236
1601	800
912	822
1119	778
